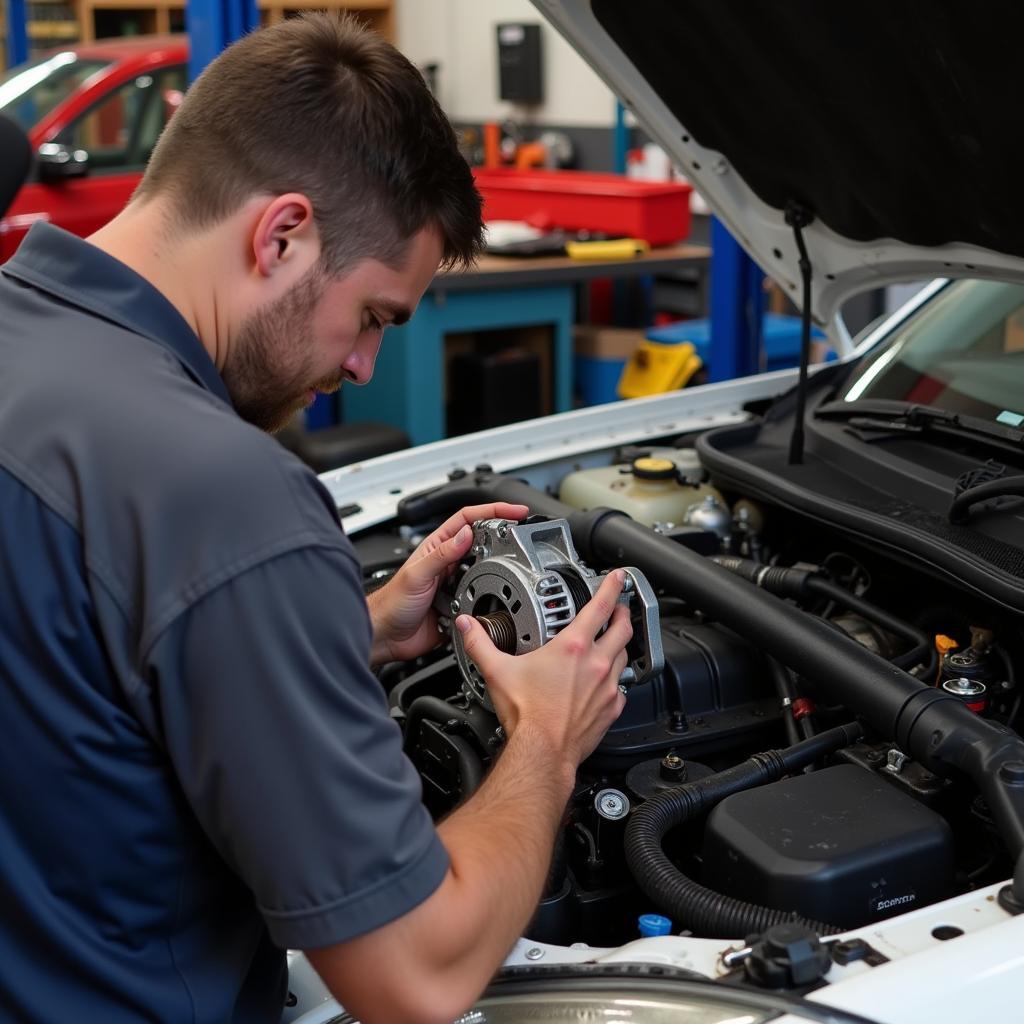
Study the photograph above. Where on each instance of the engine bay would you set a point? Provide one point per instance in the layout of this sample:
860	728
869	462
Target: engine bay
791	745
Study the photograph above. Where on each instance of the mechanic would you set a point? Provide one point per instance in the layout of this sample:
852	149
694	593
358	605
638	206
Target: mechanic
198	767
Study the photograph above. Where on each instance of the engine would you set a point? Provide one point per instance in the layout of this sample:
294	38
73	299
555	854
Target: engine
765	768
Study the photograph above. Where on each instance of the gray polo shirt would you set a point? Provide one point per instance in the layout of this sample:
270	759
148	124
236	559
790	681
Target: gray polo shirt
198	767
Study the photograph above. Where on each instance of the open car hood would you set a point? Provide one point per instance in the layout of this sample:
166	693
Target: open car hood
889	121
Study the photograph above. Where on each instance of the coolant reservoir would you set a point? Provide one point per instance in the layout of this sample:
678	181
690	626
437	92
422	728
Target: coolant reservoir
659	488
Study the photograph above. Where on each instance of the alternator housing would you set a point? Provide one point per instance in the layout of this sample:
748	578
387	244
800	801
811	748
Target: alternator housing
526	583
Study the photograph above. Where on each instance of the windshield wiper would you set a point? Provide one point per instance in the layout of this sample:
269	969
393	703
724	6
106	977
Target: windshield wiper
877	418
873	419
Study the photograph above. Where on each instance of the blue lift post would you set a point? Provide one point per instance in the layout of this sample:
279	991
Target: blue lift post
644	285
737	308
17	33
213	25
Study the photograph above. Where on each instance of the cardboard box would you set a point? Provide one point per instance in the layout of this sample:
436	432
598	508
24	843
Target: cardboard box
601	354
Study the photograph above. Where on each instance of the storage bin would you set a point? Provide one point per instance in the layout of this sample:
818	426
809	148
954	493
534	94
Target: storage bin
658	212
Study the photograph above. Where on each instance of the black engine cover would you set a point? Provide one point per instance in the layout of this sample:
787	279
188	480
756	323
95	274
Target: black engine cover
839	845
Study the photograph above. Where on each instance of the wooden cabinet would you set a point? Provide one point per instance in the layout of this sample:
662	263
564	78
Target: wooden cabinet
95	19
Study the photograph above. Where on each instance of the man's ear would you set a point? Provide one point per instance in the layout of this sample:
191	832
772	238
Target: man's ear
285	239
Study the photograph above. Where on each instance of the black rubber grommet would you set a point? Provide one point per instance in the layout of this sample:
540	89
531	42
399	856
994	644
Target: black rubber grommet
1009	902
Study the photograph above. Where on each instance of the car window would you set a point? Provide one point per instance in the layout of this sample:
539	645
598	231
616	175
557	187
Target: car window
31	91
963	352
120	131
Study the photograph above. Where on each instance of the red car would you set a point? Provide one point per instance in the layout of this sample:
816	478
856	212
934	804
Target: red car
93	114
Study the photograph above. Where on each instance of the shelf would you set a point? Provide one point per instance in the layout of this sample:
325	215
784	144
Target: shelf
105	18
47	30
160	17
375	13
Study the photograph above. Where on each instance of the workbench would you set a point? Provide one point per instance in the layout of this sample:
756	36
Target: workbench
499	292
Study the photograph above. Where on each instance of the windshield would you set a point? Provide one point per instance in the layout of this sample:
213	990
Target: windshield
31	91
964	352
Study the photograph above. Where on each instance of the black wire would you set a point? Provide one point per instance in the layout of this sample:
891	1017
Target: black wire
786	690
798	218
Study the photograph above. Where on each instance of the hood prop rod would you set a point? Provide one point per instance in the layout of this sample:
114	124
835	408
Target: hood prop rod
798	217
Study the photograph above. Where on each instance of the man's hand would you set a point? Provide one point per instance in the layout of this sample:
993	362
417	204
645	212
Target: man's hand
404	621
568	689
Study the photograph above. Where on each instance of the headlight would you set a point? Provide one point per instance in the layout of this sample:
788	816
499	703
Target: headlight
606	993
629	993
625	1004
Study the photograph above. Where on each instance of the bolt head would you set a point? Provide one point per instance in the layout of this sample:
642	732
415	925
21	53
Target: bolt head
611	804
455	607
535	953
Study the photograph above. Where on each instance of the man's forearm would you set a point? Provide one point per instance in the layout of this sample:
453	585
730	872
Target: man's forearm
379	652
500	845
448	948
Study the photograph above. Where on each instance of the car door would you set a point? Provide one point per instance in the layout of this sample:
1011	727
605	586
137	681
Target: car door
117	134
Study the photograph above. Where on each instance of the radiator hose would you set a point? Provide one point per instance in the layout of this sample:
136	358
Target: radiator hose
703	911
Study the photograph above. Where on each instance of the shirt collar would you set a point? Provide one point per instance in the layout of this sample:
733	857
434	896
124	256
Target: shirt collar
58	262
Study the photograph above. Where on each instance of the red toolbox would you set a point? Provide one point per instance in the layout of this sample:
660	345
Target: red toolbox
658	212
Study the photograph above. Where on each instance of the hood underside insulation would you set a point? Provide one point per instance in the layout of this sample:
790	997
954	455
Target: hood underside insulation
884	118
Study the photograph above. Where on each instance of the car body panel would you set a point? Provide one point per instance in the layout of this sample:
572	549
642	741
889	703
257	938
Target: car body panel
924	979
82	205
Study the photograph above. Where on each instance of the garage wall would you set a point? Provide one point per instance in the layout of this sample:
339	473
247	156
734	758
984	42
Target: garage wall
460	36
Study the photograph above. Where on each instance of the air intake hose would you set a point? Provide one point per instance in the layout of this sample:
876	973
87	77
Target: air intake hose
695	907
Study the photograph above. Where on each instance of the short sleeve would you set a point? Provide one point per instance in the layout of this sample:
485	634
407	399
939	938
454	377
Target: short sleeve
284	748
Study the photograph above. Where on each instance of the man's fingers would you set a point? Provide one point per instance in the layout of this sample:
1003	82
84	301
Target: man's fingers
618	633
466	516
478	644
619	663
423	572
598	610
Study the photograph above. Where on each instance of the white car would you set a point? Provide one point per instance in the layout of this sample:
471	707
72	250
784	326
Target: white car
812	807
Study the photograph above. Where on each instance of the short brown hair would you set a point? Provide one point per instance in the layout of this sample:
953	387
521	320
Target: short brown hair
321	105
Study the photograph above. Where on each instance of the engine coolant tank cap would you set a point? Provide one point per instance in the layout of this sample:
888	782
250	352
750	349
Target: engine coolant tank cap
653	924
648	468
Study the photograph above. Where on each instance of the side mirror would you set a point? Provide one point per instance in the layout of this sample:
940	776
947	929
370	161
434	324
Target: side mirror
58	163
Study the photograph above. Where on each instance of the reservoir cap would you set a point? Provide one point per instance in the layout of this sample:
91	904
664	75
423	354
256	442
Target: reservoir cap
653	924
647	468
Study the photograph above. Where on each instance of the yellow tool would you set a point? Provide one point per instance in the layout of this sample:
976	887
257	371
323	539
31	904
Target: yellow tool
616	249
655	368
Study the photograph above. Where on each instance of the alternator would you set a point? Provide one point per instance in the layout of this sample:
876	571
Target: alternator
526	583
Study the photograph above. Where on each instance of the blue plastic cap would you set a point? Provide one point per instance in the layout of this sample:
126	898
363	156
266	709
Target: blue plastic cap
653	924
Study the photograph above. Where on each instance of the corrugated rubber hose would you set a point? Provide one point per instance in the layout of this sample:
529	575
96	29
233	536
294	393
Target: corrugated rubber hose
694	906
